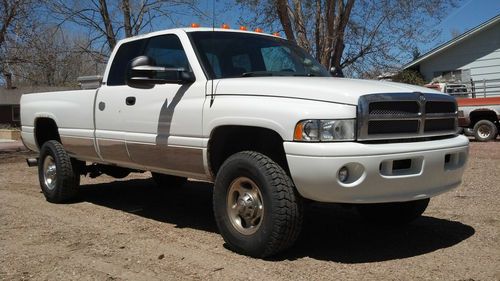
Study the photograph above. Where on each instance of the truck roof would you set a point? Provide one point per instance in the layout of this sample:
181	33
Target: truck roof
193	29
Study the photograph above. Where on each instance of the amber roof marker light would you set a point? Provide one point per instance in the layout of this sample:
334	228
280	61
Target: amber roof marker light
244	28
225	26
195	25
258	29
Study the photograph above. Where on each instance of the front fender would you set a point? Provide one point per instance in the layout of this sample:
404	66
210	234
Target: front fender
274	113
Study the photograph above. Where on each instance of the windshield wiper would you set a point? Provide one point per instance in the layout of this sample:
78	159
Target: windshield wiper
305	75
276	73
257	73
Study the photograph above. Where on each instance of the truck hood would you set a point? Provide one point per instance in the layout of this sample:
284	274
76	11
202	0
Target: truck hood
329	89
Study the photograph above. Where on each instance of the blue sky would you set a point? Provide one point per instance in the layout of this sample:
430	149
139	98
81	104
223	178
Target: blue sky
468	15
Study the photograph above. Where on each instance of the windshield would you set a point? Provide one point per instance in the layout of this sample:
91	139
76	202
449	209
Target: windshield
234	54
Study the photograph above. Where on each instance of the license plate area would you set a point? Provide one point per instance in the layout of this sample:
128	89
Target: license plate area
401	167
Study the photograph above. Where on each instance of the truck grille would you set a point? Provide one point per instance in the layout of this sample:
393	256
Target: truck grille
406	115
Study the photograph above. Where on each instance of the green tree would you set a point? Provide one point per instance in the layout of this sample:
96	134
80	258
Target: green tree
409	76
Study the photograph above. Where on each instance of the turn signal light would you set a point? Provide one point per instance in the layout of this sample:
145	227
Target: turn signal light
297	134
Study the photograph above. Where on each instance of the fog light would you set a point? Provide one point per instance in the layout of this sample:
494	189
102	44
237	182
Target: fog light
343	174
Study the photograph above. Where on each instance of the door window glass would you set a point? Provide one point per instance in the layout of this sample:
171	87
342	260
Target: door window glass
124	55
167	51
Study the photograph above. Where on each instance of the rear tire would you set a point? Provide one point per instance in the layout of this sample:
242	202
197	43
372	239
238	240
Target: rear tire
58	173
485	130
169	181
257	209
396	213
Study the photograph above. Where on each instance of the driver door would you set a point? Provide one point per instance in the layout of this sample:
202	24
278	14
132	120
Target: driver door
164	124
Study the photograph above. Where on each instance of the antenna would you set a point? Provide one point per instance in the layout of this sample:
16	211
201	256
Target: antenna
213	15
212	58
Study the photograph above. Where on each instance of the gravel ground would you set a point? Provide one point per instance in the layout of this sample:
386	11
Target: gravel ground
130	230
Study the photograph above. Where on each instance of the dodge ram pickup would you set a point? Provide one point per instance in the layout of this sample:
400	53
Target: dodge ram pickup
479	117
261	119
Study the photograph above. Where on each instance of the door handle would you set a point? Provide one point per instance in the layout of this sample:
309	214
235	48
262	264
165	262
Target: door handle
130	100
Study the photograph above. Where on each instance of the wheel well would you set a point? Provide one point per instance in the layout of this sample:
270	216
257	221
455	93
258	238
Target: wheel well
45	130
228	140
479	115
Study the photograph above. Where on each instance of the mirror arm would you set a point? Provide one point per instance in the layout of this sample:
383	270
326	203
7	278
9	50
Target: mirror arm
157	68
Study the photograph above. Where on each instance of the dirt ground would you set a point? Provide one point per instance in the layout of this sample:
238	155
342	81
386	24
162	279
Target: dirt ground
130	230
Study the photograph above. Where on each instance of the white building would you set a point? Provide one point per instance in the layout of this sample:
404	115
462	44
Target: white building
473	56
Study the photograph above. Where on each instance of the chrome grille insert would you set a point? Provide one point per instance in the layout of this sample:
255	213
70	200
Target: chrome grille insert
402	108
406	115
440	107
389	126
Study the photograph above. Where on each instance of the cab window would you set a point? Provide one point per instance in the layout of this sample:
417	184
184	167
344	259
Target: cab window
124	55
167	51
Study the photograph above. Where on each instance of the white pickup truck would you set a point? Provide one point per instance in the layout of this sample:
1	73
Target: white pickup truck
260	118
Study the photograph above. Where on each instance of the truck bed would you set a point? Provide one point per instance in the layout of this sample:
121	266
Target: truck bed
478	101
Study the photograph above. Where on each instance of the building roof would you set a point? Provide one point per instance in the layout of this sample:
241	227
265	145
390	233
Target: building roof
454	41
13	96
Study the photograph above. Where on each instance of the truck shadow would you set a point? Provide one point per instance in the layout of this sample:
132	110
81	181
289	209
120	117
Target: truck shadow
338	234
187	206
330	232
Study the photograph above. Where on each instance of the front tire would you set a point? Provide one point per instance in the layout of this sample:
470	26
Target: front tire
58	174
257	209
485	130
396	213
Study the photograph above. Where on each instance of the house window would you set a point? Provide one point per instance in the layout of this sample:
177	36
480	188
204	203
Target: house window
16	113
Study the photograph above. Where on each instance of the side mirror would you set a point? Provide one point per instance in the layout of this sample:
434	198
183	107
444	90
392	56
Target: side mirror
336	72
142	72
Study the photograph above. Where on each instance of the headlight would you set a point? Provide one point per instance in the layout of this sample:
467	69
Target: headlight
325	130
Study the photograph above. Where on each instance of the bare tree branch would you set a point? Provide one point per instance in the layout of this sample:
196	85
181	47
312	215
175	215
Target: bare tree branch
358	35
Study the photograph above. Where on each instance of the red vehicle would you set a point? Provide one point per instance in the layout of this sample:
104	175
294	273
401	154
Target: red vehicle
479	117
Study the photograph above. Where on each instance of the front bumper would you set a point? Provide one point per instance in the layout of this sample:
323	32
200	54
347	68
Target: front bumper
392	172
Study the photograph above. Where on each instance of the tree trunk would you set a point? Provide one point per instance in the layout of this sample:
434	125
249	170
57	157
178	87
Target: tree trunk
300	28
126	18
110	34
338	43
282	9
330	33
318	32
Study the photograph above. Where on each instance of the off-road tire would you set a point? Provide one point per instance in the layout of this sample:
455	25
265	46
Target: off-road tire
282	217
483	126
168	181
67	178
396	213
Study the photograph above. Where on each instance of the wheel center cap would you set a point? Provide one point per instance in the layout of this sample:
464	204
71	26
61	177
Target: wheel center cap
247	206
